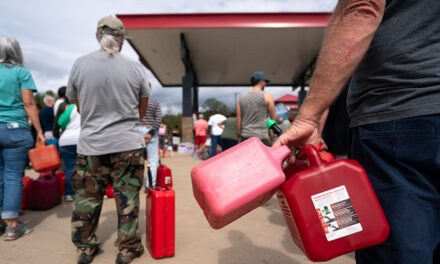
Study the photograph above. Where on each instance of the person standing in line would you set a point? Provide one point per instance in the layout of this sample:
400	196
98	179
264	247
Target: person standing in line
111	93
216	131
70	123
162	136
61	99
47	116
230	132
17	104
200	128
175	137
150	127
390	50
253	110
170	148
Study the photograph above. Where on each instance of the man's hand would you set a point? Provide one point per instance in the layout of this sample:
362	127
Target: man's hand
302	131
147	138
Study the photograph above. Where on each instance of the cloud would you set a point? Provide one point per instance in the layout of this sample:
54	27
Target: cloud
53	34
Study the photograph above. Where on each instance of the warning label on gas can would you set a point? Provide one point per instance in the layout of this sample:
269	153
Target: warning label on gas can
336	213
168	180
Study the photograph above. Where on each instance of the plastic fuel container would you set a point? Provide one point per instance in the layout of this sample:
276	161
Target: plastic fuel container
160	215
44	157
238	180
164	177
331	208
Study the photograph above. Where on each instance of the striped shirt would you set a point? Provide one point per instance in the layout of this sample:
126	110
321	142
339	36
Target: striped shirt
153	118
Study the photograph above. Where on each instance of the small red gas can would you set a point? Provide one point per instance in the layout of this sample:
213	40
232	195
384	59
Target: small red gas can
331	208
62	177
109	191
26	186
164	178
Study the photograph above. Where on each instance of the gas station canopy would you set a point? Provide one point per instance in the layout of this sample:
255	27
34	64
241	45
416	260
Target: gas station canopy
225	49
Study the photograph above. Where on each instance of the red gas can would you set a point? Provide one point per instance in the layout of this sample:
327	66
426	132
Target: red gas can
331	208
26	187
160	222
44	193
238	180
109	191
164	178
62	177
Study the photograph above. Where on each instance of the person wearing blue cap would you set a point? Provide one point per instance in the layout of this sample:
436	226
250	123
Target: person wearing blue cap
253	110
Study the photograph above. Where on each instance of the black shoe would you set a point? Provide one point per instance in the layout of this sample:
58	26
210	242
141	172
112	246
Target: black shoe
2	227
125	256
86	255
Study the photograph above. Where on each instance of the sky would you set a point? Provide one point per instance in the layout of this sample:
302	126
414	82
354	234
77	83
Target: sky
53	34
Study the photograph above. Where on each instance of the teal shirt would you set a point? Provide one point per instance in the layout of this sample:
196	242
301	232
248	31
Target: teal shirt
13	79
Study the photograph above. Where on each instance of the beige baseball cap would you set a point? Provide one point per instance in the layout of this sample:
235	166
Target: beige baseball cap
111	25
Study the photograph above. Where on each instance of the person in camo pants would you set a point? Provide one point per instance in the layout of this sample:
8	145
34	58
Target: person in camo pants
92	174
111	93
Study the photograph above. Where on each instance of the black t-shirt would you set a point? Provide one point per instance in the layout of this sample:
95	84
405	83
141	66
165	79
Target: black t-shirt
399	77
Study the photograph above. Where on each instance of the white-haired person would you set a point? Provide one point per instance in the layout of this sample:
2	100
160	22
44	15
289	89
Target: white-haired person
16	106
111	92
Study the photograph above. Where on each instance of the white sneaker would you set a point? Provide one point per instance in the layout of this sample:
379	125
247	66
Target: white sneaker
68	198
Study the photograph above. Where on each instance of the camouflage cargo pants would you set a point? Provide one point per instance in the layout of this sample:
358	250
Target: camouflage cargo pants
90	178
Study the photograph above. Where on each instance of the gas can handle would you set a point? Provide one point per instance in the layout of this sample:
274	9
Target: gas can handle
310	153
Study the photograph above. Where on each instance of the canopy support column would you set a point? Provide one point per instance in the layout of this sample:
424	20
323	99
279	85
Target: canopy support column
303	81
302	92
189	91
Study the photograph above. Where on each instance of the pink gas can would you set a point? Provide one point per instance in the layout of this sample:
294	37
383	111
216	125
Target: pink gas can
238	180
331	208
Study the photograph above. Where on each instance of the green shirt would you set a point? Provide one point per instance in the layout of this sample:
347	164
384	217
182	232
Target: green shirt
13	79
230	131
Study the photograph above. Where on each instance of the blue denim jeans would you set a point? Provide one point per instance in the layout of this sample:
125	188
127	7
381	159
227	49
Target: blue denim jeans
215	140
402	160
68	154
153	158
14	146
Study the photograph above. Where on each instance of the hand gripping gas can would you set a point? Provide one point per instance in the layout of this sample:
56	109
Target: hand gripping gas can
237	180
331	208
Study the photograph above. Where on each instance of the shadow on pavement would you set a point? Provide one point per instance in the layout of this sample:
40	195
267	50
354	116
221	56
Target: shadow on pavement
244	251
34	217
276	217
108	224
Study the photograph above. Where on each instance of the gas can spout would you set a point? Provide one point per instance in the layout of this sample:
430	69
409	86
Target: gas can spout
273	125
280	153
310	153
